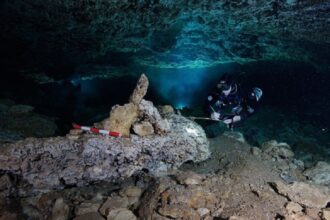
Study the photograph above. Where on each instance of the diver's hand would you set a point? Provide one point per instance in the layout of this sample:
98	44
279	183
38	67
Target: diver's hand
215	116
236	118
250	110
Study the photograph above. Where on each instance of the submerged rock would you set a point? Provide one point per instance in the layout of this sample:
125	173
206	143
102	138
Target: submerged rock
89	216
122	118
143	128
326	214
20	110
147	109
56	162
121	214
319	174
313	196
60	210
277	150
166	109
20	121
140	90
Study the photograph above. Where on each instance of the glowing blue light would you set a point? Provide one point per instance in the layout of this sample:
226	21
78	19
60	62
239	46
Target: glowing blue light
180	106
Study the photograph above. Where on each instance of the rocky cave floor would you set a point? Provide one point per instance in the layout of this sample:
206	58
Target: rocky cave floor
239	181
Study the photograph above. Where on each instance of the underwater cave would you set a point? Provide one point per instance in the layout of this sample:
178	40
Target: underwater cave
118	109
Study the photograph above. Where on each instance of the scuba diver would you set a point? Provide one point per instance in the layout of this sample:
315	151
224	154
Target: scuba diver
230	104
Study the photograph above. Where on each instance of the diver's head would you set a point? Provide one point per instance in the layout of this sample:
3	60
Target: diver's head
223	85
225	82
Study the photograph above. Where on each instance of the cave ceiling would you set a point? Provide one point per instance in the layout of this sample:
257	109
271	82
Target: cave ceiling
164	33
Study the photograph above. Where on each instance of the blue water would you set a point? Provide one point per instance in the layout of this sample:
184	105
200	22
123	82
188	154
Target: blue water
294	93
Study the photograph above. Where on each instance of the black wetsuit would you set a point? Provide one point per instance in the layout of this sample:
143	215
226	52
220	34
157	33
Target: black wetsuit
233	104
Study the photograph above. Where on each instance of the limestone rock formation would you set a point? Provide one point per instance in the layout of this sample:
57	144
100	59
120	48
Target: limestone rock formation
319	174
326	214
56	162
20	110
143	128
140	90
314	196
122	118
277	150
147	117
20	121
166	109
60	210
147	109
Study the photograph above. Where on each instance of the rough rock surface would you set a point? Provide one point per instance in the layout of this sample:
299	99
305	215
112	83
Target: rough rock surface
122	118
165	33
326	214
19	121
60	210
166	109
140	90
306	194
87	207
147	109
89	216
232	184
56	162
144	128
121	214
319	174
277	150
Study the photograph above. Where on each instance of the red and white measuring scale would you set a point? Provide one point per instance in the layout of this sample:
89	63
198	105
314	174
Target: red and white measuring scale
96	130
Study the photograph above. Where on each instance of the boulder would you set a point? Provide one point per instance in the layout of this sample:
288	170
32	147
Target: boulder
113	203
256	151
60	210
90	216
148	110
277	150
203	212
293	207
144	128
20	110
319	174
189	178
87	207
166	109
309	195
179	212
140	90
48	163
121	214
326	214
122	118
131	191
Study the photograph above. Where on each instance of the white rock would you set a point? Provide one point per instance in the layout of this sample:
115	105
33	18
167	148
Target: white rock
310	195
121	214
144	128
326	214
60	210
203	211
87	207
293	207
319	174
113	203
